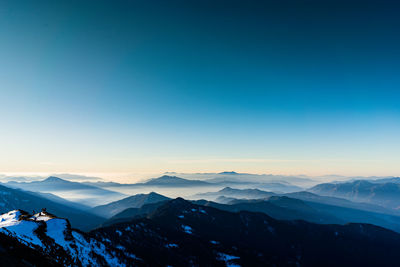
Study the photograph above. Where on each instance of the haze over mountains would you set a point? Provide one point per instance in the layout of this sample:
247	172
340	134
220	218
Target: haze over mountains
235	193
231	177
173	181
385	193
74	191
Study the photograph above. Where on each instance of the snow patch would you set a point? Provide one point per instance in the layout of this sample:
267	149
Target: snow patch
228	259
172	245
187	229
41	216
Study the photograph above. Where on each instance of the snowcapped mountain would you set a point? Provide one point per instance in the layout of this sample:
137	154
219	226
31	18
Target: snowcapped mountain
55	239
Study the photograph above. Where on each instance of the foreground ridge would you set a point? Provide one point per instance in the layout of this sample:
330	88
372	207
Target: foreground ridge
54	238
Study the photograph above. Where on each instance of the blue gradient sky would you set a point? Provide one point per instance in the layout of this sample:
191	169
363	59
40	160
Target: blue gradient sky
293	87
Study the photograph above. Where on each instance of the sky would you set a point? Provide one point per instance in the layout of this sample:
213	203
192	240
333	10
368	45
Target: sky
139	87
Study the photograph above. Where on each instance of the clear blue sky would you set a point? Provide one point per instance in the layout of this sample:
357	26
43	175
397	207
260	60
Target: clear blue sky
293	87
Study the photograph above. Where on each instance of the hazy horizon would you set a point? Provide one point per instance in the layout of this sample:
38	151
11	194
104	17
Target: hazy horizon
136	177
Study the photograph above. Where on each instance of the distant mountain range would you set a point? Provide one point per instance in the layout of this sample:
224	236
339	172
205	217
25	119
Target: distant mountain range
174	182
54	184
235	193
76	177
386	194
225	177
395	180
177	182
65	176
246	178
341	202
163	181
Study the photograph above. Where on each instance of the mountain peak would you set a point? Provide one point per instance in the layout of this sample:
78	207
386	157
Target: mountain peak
154	194
173	206
54	179
227	189
167	180
135	201
227	172
168	177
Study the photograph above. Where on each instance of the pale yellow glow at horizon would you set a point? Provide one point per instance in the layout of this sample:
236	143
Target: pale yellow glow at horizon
137	170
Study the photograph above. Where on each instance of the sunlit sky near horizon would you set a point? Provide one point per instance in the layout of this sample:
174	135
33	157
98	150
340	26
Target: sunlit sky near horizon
138	87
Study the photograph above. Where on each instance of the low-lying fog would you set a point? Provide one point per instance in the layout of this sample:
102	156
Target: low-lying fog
172	192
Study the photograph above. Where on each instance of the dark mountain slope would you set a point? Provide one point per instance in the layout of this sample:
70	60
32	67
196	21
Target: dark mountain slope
281	208
284	208
297	210
182	234
13	253
132	213
135	201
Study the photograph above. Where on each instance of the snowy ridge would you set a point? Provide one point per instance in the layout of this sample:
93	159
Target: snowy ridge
54	236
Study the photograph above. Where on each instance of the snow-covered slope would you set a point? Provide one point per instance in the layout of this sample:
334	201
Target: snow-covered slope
54	238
